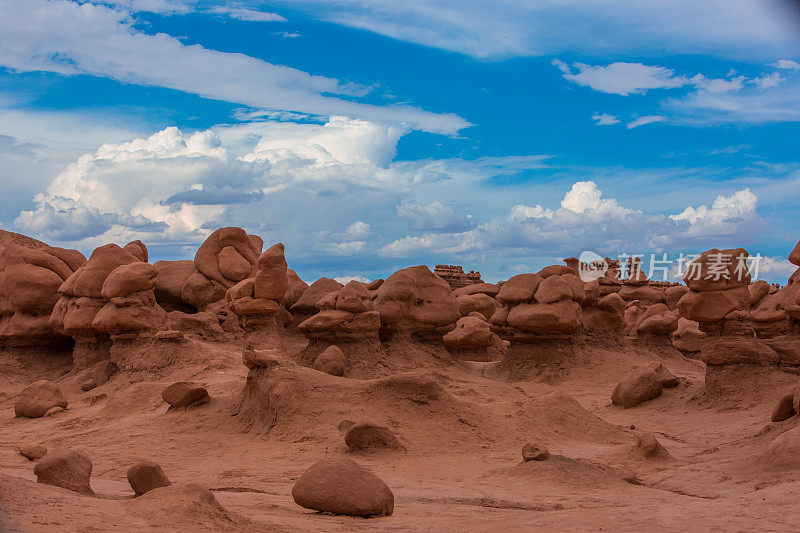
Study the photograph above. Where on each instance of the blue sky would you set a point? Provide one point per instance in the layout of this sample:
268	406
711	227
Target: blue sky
369	136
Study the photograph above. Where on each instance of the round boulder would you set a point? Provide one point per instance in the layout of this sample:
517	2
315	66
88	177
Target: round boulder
67	469
38	398
184	394
637	387
145	476
366	436
342	486
331	361
33	452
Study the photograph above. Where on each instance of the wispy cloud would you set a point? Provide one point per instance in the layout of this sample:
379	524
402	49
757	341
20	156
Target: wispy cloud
642	121
68	38
245	14
513	28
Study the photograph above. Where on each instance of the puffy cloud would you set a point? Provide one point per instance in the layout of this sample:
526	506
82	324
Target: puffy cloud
358	230
729	216
588	221
776	269
642	121
68	38
585	195
768	81
621	78
434	216
325	189
344	280
442	243
786	64
181	184
719	85
604	119
522	212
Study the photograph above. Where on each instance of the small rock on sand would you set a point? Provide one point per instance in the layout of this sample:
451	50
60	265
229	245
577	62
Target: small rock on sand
534	452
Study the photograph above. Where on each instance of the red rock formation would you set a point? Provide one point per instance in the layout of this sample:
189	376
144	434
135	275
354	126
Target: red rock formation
719	300
455	276
30	274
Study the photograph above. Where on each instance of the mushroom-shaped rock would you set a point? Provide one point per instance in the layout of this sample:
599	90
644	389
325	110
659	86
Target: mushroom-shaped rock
331	361
30	275
38	398
553	289
170	278
562	317
127	279
342	486
366	436
470	333
416	301
534	452
67	469
715	270
307	303
145	476
481	303
713	306
637	387
33	452
184	394
519	288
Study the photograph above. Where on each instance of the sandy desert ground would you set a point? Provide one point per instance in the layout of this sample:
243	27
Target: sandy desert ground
461	424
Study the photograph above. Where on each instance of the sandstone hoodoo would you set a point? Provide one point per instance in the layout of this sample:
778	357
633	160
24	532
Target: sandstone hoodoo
416	373
30	274
258	301
516	265
81	301
342	486
346	322
415	302
227	256
540	317
719	300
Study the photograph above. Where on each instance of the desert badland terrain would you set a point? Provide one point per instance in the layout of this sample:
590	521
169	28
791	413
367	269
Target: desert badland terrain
224	393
